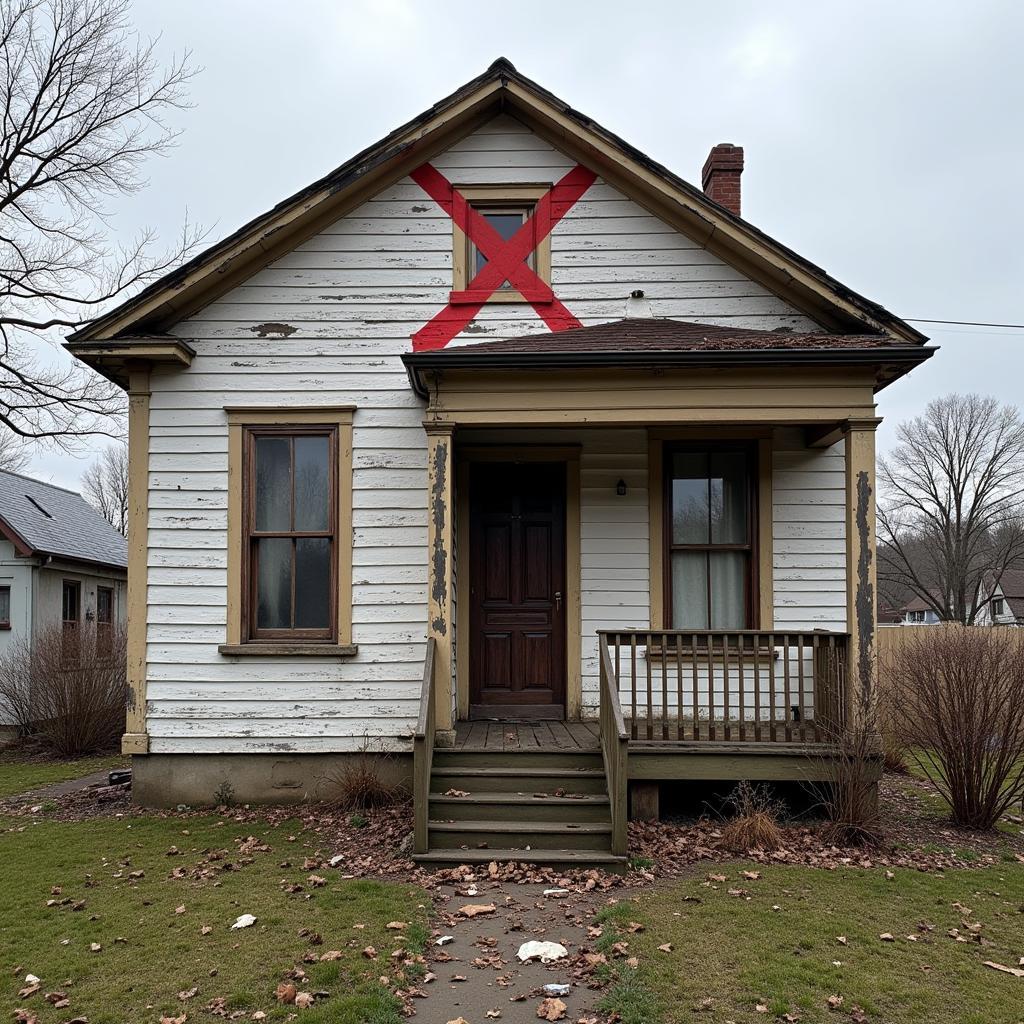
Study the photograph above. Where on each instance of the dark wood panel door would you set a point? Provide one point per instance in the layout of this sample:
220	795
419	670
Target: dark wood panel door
517	590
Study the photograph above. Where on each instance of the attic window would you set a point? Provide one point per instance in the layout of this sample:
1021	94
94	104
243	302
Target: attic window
38	506
505	208
997	606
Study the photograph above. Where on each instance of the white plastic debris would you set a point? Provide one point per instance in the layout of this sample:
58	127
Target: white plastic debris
556	893
31	979
336	860
557	990
546	952
444	940
244	921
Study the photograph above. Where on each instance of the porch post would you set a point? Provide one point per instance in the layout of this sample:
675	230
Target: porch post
441	512
860	564
135	739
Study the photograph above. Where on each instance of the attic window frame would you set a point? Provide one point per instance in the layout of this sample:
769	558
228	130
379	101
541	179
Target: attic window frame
488	197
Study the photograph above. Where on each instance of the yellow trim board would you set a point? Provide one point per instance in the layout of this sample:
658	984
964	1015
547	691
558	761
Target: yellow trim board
238	418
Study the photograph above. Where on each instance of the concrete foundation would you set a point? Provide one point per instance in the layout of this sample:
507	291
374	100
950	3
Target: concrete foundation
166	780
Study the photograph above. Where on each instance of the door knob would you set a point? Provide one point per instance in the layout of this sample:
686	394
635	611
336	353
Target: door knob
558	599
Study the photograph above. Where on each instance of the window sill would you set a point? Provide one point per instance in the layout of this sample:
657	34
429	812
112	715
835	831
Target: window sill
288	650
472	296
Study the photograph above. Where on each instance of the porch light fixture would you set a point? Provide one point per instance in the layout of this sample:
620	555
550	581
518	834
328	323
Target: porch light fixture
620	488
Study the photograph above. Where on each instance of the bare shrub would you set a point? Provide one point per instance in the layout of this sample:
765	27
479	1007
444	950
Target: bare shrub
67	691
960	702
755	825
851	800
364	780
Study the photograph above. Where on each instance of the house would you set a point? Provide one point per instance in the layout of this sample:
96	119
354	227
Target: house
917	612
503	447
1005	605
60	564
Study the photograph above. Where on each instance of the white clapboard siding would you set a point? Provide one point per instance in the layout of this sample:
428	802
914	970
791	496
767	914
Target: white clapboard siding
809	534
327	324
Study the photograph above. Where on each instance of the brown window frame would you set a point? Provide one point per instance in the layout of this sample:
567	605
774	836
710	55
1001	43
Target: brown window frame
751	580
6	623
104	627
251	633
71	629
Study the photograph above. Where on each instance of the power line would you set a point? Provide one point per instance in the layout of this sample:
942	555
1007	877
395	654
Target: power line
963	323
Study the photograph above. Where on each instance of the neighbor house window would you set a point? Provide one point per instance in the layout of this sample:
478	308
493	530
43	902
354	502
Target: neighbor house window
997	606
291	532
506	208
915	617
71	613
104	620
709	542
5	607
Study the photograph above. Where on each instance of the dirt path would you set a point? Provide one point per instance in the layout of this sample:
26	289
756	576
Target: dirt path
57	789
479	976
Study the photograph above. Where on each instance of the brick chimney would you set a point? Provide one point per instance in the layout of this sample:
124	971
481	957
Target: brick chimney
720	178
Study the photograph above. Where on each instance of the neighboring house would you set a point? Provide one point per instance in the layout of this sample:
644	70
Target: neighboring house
61	563
403	446
1005	605
917	612
889	616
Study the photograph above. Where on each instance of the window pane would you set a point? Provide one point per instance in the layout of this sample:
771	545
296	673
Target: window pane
273	483
312	476
728	590
104	605
274	583
5	605
312	583
689	590
728	498
690	524
506	223
70	602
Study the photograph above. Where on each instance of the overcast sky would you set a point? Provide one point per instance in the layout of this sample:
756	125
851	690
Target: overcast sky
883	140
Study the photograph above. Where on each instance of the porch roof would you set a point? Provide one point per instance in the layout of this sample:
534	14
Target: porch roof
662	342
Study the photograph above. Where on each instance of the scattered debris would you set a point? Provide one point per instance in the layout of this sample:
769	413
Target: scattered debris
244	921
546	952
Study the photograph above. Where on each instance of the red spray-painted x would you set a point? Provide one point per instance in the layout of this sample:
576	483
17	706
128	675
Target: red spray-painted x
506	260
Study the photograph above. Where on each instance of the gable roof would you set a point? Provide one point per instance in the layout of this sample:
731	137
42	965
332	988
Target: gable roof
651	341
1011	586
41	519
501	88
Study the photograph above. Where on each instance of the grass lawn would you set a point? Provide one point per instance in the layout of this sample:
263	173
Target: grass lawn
18	774
779	948
151	951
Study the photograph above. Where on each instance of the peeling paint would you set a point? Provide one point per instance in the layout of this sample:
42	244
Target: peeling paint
475	328
439	556
420	209
273	330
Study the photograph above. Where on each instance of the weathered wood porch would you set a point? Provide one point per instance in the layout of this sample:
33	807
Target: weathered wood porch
672	705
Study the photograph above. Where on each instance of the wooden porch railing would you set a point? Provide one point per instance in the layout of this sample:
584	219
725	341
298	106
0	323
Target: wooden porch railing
423	753
733	685
615	751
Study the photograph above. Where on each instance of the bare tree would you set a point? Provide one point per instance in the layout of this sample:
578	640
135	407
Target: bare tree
13	452
105	486
951	502
85	103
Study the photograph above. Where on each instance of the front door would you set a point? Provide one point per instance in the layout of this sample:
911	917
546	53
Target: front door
517	590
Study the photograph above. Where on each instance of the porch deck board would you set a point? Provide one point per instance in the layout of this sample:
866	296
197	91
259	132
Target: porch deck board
509	737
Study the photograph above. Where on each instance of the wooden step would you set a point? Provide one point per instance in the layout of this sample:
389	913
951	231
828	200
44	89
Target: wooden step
555	760
494	806
518	780
542	858
537	835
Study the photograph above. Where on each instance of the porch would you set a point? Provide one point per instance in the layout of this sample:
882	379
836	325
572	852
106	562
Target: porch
674	706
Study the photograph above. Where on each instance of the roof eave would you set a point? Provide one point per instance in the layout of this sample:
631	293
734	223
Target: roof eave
892	362
115	358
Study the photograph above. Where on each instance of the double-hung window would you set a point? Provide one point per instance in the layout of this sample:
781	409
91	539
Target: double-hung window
710	520
290	530
5	607
104	621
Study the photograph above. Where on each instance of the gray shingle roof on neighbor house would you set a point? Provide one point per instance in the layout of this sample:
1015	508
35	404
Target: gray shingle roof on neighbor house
55	521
